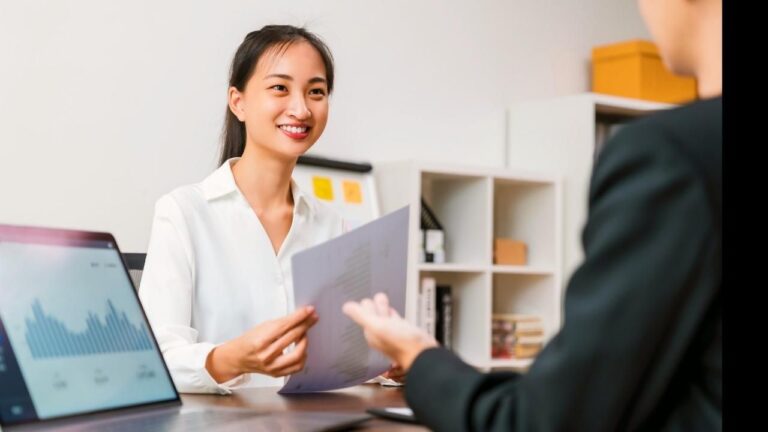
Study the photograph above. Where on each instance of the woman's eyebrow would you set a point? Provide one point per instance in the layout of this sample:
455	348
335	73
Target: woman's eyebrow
290	78
283	76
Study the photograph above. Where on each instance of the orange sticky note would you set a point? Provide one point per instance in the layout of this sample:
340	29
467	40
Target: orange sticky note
352	192
323	188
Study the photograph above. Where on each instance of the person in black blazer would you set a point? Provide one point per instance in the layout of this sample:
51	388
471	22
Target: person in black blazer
640	347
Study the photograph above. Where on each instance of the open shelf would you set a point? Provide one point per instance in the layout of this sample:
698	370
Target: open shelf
471	299
459	202
474	205
526	212
528	294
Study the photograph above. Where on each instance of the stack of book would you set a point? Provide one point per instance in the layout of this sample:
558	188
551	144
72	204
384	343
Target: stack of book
516	336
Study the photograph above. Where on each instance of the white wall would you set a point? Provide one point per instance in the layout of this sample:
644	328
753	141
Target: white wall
106	105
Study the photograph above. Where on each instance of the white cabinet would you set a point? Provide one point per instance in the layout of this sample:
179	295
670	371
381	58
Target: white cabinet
475	205
560	136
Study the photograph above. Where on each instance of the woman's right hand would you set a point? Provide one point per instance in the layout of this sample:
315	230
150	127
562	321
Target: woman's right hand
260	349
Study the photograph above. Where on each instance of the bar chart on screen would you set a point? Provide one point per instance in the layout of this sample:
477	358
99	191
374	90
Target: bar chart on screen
48	337
73	323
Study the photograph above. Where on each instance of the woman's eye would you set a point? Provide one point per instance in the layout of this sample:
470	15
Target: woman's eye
317	91
279	87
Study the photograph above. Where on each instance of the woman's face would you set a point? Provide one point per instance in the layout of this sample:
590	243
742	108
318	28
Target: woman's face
285	102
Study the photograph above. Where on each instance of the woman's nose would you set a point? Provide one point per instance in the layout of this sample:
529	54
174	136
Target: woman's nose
299	110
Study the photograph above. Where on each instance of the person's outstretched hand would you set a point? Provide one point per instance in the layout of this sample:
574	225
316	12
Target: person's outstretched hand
387	332
396	373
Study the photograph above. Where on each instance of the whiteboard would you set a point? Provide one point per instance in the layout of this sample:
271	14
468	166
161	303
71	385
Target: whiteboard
347	187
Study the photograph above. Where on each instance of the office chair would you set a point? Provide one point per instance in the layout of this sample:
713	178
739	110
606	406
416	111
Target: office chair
135	262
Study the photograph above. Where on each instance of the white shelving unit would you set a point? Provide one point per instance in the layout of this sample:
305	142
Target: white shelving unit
475	205
561	136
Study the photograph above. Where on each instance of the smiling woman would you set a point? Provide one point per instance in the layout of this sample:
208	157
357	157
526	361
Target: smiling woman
217	284
281	77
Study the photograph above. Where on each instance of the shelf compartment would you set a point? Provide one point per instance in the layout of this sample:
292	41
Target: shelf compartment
471	299
527	212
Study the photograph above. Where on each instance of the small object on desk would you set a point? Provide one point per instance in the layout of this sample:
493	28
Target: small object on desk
399	414
386	382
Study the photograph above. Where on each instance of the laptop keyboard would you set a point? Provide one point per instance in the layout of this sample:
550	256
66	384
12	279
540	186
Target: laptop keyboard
184	421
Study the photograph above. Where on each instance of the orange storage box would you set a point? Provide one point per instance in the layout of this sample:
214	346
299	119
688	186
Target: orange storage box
509	252
634	69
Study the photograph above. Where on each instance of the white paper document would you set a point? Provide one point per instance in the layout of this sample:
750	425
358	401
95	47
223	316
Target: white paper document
356	265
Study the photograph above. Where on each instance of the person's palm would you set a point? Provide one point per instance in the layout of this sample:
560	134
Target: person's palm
386	331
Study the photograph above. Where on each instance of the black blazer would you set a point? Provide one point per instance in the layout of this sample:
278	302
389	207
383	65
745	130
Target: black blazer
640	347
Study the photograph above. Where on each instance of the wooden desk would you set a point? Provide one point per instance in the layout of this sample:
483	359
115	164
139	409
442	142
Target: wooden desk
354	399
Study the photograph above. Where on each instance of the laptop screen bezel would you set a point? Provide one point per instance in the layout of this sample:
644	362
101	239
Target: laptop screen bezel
69	237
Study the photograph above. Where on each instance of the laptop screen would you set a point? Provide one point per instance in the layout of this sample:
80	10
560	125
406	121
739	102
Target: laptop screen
73	336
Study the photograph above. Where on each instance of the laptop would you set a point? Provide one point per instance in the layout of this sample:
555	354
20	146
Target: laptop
77	351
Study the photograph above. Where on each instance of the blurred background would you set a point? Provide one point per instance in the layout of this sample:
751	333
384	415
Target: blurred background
106	106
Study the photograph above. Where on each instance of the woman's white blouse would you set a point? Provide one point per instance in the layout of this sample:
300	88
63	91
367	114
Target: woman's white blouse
211	273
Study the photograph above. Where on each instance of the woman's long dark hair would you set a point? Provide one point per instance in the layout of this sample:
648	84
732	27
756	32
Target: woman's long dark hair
249	52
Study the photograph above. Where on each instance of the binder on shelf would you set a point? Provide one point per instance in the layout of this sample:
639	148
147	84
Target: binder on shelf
444	318
422	249
428	218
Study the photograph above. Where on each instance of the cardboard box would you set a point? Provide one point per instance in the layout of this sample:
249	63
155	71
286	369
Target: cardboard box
635	69
509	252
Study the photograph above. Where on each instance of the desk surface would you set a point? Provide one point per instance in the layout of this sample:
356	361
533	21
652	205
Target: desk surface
354	399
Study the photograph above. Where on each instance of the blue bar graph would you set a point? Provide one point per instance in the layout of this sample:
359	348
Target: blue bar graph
49	338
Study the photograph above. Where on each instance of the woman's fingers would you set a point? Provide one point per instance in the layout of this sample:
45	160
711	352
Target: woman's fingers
290	362
288	370
294	319
264	334
293	335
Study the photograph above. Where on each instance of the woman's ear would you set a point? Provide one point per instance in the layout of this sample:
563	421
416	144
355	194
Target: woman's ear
236	103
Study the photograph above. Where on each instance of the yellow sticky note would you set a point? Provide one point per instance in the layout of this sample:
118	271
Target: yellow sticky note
352	192
323	188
